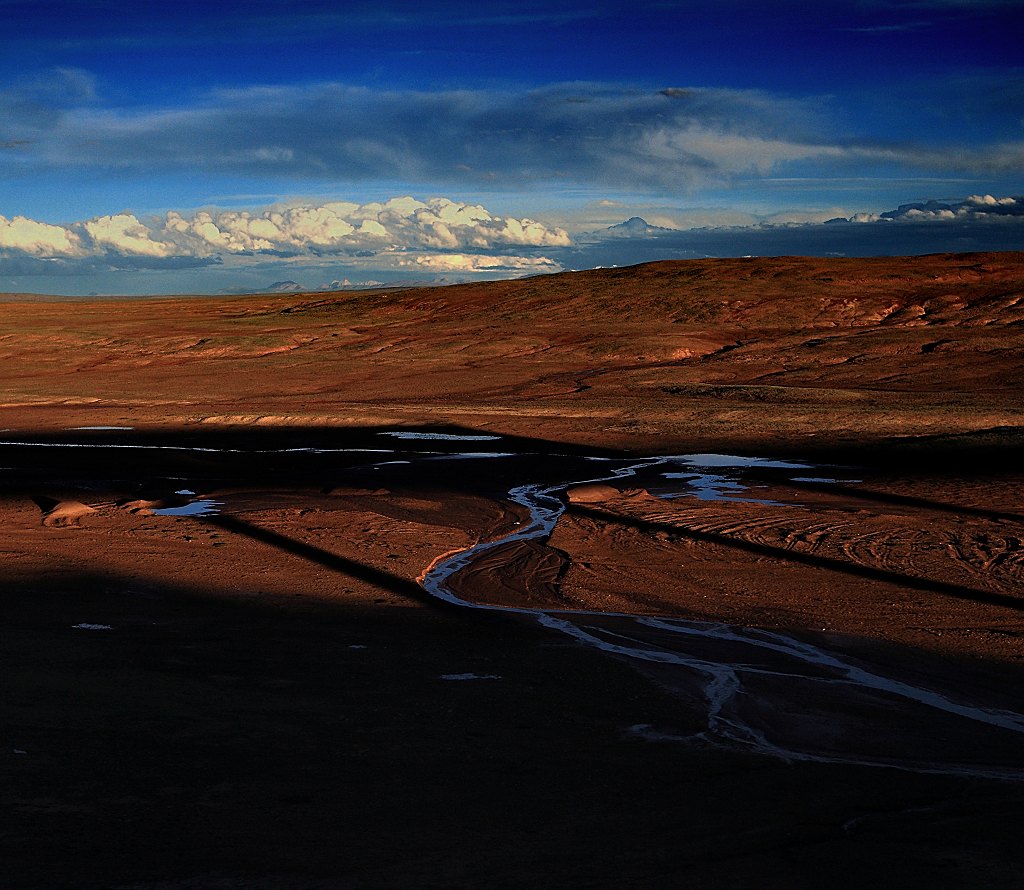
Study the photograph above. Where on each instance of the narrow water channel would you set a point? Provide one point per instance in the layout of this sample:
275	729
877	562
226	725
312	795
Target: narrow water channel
790	696
835	709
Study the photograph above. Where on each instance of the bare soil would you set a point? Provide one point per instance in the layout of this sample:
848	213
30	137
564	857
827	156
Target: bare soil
258	698
754	353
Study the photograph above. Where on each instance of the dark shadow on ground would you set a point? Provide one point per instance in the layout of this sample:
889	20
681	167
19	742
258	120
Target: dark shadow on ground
273	743
884	497
294	453
146	461
371	575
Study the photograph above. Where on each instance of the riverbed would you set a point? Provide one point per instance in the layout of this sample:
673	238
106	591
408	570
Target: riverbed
749	586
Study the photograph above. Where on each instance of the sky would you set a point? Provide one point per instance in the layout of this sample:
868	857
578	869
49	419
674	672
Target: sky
234	146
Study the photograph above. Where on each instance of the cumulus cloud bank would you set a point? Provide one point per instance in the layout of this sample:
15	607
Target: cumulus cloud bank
975	208
399	225
407	239
27	236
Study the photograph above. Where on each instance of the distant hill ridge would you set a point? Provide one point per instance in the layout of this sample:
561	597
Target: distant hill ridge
716	295
755	293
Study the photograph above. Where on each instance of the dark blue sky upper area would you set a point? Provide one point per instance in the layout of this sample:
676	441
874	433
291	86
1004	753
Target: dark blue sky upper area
145	51
243	138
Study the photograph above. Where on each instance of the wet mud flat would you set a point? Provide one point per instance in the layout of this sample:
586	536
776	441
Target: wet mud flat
272	694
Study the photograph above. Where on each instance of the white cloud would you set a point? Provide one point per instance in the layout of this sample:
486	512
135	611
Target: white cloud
338	227
989	201
975	207
292	230
437	224
415	238
728	152
124	234
566	133
37	238
460	262
575	132
914	213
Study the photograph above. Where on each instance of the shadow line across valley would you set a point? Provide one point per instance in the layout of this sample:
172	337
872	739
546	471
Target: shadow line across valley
886	497
53	465
910	582
371	575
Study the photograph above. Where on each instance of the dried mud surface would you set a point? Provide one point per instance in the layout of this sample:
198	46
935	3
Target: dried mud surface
265	696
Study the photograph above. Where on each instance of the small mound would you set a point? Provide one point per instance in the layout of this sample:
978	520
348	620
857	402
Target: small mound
141	507
592	493
595	493
66	514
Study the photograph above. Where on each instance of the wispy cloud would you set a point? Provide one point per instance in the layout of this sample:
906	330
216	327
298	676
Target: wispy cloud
256	21
672	139
567	133
892	28
37	104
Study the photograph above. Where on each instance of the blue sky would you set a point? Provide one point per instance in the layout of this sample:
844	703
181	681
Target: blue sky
218	146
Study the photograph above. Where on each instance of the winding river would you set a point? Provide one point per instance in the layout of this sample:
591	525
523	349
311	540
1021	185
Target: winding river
737	667
762	692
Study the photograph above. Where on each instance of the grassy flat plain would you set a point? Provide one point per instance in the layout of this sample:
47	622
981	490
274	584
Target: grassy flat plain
266	697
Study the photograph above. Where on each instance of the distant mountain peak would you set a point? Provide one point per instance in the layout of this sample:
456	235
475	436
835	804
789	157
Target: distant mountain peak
634	227
284	287
633	224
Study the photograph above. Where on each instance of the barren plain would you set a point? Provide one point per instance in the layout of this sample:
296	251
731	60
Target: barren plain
700	573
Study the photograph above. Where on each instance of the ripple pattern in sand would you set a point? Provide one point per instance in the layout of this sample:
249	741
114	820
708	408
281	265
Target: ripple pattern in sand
772	693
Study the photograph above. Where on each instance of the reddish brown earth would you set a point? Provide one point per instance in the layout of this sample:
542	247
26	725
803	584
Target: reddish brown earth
761	353
268	707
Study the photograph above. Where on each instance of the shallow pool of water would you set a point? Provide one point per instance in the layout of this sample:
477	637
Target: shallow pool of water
202	507
443	437
712	487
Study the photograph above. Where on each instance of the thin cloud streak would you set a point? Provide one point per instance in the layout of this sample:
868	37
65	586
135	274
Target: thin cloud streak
672	140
